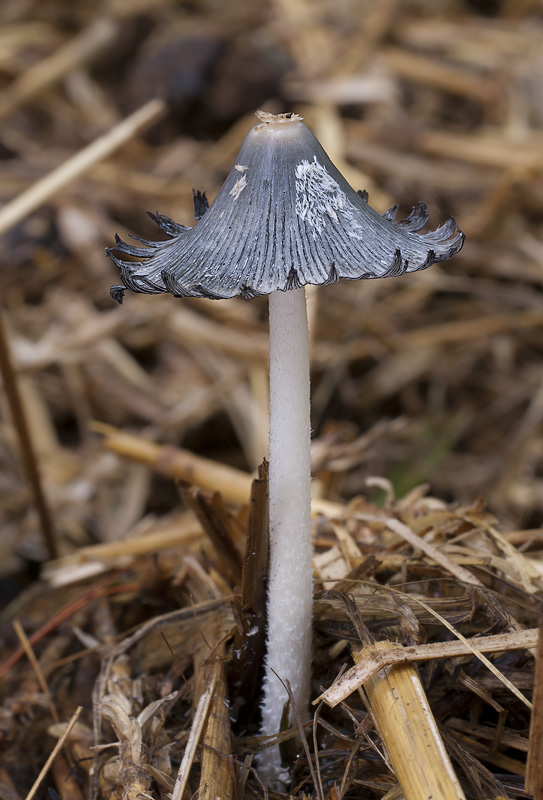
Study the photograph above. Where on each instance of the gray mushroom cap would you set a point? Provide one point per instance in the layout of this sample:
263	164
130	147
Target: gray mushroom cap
285	217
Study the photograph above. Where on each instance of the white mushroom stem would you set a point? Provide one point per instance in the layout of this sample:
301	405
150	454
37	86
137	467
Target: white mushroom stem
290	586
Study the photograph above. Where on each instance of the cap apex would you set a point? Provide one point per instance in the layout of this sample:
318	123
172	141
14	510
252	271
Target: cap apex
266	117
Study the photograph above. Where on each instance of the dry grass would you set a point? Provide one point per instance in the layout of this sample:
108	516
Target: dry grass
432	379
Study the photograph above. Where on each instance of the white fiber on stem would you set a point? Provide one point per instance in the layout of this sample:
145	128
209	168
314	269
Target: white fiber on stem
290	589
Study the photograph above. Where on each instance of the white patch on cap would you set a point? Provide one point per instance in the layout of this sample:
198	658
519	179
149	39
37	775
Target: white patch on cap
319	198
238	187
240	167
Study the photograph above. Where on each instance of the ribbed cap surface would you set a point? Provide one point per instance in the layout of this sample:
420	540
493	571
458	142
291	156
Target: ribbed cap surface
285	217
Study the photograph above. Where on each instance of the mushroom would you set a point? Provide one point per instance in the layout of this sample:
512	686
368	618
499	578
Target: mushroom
285	217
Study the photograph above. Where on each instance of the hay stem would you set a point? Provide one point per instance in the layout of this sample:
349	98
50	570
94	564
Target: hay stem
27	451
56	749
409	732
37	194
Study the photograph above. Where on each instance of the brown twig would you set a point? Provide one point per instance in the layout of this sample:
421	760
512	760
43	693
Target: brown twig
28	455
99	590
247	662
57	748
534	767
40	677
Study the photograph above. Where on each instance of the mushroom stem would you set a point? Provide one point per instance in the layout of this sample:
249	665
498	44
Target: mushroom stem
290	585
